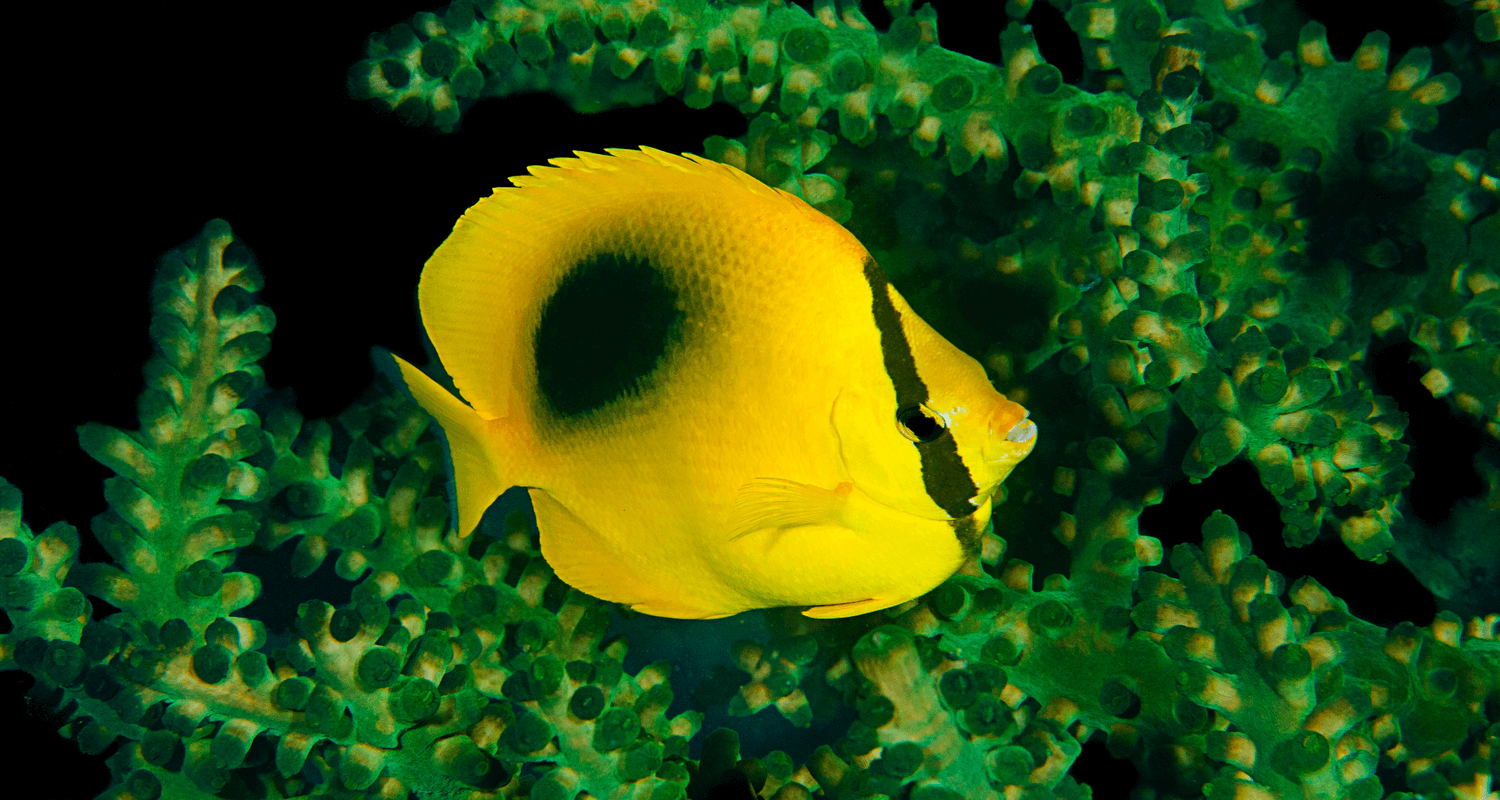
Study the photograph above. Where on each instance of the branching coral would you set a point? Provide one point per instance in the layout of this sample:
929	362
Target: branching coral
1203	244
1171	214
480	654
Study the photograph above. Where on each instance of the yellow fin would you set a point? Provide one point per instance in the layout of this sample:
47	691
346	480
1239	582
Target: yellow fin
779	503
850	609
476	476
585	561
679	611
645	169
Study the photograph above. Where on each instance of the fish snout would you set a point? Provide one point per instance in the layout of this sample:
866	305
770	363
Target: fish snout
1012	434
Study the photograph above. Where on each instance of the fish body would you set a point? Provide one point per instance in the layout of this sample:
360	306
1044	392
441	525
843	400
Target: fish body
714	397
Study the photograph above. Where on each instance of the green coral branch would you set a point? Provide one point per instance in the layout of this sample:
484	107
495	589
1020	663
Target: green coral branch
1167	205
1184	259
444	672
451	670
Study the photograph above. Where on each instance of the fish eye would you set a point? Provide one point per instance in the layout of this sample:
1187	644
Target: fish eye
918	425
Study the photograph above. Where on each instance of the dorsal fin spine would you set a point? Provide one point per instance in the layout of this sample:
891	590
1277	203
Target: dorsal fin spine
687	163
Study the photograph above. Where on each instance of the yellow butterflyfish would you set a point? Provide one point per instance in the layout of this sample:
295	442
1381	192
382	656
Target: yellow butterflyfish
714	397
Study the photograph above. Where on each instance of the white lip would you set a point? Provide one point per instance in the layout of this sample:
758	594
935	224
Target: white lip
1021	432
1017	440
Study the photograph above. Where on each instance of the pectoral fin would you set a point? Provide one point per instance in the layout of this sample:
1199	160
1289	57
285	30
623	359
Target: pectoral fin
779	503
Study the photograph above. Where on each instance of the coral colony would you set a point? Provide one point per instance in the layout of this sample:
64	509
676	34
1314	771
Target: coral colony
1217	223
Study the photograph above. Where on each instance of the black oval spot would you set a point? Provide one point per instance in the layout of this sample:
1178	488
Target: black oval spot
606	328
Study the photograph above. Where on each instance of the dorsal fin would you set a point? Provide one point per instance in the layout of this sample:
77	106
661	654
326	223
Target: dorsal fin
512	246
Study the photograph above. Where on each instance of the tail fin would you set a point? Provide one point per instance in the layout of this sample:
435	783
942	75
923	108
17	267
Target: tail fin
476	475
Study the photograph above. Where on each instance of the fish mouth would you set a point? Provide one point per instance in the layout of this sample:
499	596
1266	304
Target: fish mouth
1022	432
1009	442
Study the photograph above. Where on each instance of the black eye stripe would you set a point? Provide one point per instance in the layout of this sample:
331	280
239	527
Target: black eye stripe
944	475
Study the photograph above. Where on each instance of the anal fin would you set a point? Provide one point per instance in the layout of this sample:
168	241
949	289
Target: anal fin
679	611
585	561
855	608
